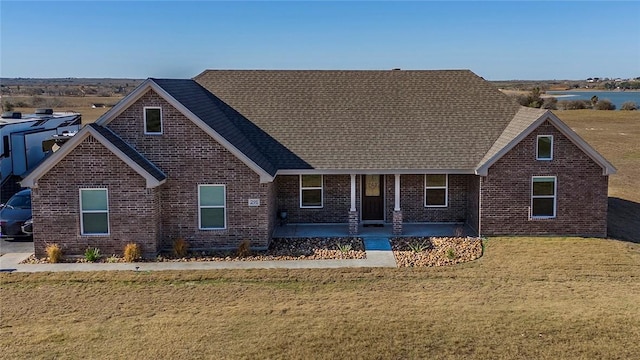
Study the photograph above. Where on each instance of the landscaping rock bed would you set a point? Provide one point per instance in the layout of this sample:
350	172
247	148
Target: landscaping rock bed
280	249
435	251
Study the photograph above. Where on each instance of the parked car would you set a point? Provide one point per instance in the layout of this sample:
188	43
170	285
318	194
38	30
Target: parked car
13	216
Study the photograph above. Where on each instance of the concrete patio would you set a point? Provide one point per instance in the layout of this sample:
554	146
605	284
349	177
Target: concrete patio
342	230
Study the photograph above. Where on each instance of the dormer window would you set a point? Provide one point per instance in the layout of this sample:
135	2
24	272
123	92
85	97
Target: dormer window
152	121
544	147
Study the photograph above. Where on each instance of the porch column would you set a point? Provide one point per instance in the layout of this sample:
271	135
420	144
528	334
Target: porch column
397	212
353	211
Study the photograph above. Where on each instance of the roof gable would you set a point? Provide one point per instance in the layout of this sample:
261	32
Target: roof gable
242	138
523	124
153	176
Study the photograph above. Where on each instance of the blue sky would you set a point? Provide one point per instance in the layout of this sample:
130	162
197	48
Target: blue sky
497	40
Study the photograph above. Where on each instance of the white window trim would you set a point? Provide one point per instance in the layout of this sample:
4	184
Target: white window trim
555	197
321	188
224	207
144	114
446	191
538	150
82	212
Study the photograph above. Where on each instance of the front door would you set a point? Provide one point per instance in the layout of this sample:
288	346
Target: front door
372	198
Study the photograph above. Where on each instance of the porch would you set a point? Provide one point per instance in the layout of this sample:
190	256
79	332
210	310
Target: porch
386	230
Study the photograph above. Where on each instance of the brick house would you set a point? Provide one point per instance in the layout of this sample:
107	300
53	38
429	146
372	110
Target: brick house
218	158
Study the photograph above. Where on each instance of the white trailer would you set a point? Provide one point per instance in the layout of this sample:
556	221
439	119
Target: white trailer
21	138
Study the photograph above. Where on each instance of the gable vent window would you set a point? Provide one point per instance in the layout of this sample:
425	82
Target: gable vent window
544	147
152	121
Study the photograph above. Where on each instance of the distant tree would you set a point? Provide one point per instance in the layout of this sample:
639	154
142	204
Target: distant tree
573	104
594	101
604	104
629	105
532	99
550	103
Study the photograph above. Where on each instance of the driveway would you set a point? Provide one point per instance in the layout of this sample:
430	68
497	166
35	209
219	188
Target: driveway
15	247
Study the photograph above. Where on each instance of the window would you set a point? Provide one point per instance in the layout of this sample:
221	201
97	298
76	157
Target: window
544	146
543	197
94	209
435	190
152	120
212	207
310	191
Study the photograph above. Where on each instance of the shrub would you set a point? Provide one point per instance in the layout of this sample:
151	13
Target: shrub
629	105
573	104
132	252
604	105
54	253
92	254
550	103
419	246
180	247
451	253
344	248
244	249
458	231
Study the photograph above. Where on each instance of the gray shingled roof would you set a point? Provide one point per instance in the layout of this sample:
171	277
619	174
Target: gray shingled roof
396	119
129	151
252	141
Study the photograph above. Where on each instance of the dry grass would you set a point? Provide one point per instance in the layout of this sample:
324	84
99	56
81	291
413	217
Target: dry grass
73	103
616	135
526	298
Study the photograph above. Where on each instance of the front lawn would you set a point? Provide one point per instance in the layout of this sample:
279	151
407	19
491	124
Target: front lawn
524	298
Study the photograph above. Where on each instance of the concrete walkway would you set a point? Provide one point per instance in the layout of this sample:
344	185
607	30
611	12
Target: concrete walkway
378	251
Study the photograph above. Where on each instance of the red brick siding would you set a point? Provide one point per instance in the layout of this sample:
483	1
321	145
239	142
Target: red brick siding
473	202
190	157
581	190
336	193
412	199
134	210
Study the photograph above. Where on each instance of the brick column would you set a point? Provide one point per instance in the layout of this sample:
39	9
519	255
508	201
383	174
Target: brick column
397	222
353	222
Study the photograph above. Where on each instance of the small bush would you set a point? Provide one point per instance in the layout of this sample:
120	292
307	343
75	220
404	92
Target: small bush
604	105
344	248
54	253
113	259
92	254
629	105
458	231
244	249
451	253
180	247
8	106
573	104
132	252
419	247
550	103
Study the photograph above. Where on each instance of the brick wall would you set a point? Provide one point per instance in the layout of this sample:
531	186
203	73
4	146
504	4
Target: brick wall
337	199
134	210
190	157
412	199
473	202
581	190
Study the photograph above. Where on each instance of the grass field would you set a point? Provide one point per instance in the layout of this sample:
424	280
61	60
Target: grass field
616	135
525	298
